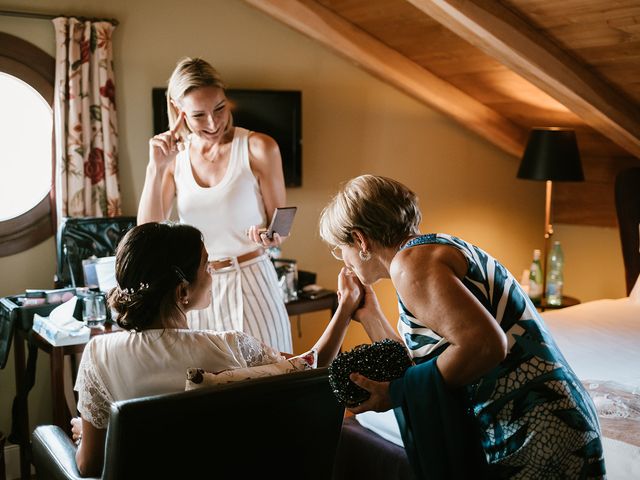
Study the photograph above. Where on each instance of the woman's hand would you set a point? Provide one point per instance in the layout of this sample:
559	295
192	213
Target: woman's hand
76	429
350	290
370	307
258	235
164	147
367	311
379	401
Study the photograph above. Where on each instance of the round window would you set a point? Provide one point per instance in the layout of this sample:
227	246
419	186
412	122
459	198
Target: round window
26	145
25	133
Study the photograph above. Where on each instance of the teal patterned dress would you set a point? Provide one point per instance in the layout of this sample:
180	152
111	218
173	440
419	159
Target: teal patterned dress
535	419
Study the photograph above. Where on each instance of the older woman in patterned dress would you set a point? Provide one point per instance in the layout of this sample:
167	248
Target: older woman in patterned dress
490	395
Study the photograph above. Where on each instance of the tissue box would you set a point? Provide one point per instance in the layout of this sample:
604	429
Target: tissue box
57	336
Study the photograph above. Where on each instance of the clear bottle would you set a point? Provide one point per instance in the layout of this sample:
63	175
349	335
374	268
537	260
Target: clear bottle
555	277
535	279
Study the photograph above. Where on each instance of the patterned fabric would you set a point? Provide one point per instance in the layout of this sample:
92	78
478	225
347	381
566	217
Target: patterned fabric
198	377
85	120
94	400
535	418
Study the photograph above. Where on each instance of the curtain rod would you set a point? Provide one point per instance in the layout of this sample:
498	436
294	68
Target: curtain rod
48	16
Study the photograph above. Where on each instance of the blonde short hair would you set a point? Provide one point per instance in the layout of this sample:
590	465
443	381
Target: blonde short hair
383	209
189	74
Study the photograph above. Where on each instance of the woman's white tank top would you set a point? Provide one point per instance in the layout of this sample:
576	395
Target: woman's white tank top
224	212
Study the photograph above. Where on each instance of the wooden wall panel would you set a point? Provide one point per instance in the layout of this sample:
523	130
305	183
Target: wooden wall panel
590	202
604	34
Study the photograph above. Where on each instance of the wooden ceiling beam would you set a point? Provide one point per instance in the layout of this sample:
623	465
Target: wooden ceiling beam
502	34
324	26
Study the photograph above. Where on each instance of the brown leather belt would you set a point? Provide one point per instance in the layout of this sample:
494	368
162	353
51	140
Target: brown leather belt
229	262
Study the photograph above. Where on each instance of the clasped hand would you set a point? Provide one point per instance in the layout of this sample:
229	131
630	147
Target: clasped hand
362	302
350	291
76	429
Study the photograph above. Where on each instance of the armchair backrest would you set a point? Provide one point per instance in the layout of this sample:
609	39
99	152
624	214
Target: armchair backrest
80	238
628	211
286	426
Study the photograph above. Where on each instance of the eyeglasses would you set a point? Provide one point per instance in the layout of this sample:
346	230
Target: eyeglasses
337	252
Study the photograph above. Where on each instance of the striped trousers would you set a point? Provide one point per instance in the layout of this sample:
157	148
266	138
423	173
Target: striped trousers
247	299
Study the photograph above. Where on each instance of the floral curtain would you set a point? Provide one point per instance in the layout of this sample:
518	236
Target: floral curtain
85	120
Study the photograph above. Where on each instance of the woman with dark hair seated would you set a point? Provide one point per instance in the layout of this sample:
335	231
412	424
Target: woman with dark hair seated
161	270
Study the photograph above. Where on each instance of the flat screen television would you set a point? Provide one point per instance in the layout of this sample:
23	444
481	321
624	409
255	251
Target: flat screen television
278	113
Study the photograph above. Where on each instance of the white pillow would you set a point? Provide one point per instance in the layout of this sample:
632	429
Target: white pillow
198	378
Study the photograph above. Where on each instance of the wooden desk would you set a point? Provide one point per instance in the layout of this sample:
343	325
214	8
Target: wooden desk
61	414
566	302
306	305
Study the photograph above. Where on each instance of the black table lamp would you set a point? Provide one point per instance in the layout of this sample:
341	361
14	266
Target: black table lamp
551	155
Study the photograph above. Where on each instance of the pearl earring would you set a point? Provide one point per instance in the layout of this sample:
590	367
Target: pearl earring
364	256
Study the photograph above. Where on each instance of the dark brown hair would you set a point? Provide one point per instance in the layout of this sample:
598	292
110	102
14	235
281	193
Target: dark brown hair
151	261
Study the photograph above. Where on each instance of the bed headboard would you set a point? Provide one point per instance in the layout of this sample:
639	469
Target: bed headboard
628	209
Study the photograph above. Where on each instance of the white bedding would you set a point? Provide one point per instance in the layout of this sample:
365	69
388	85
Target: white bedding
600	339
622	460
601	342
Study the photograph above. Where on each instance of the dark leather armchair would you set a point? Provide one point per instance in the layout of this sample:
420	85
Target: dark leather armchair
286	426
80	238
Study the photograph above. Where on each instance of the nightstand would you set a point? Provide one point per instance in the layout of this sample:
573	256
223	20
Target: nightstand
566	302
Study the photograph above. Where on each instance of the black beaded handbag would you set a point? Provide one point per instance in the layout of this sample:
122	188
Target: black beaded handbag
381	361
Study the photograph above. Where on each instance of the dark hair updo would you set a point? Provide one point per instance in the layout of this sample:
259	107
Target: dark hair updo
151	261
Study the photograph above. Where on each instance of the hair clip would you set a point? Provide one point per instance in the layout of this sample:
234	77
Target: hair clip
181	276
129	293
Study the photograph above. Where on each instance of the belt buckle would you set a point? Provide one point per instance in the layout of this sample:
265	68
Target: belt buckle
233	266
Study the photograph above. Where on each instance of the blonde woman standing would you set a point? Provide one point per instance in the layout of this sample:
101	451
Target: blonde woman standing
226	181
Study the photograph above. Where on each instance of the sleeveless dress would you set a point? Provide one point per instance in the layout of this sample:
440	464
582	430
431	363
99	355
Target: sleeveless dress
246	297
531	414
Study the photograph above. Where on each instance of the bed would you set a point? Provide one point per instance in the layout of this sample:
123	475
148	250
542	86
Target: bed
601	341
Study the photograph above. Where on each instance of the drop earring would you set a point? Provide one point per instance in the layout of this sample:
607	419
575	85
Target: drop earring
364	256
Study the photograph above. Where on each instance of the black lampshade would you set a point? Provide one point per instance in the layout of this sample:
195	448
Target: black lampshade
551	154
